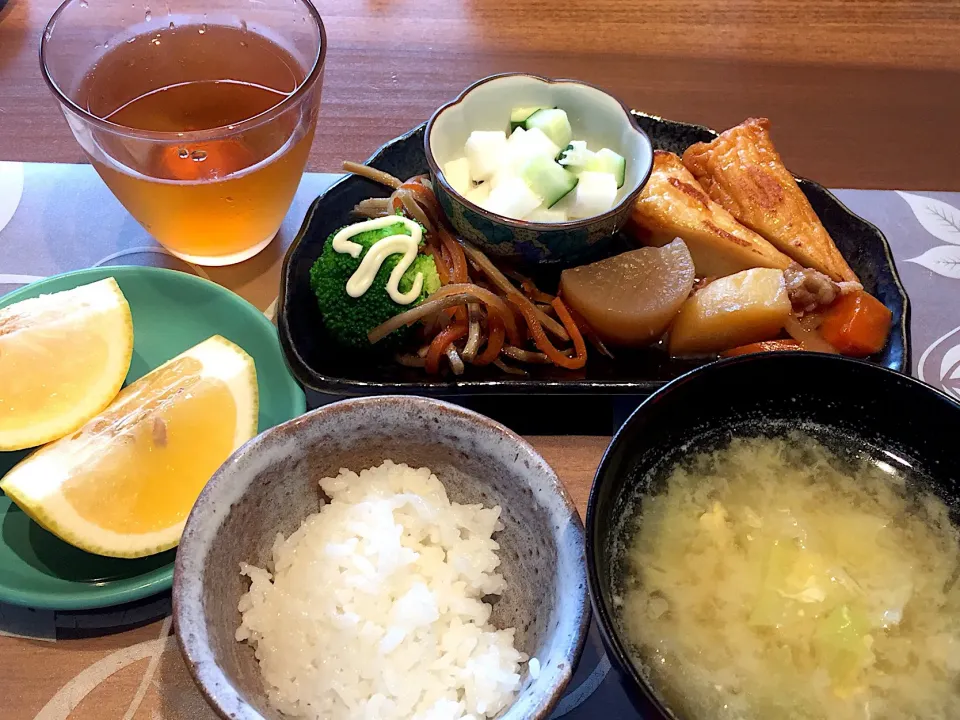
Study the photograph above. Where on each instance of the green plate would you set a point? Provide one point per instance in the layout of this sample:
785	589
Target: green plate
172	311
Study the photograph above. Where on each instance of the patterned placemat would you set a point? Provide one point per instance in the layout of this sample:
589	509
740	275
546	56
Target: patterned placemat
55	218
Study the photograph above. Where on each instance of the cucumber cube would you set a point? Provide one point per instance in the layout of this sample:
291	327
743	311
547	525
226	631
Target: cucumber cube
595	194
606	160
457	173
518	116
485	150
547	179
554	124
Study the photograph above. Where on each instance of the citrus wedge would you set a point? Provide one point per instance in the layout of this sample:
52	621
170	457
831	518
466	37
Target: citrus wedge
124	483
63	358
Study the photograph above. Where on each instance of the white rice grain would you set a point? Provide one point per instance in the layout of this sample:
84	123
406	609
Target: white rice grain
375	605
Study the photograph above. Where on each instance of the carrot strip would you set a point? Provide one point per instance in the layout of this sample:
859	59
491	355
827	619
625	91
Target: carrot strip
589	333
449	249
578	345
494	342
495	276
445	254
458	261
426	197
448	274
765	346
440	344
540	337
534	293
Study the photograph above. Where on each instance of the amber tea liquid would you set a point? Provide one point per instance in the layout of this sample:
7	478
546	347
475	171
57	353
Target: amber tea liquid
219	197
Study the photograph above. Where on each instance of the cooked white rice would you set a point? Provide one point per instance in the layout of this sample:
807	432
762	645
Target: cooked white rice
374	608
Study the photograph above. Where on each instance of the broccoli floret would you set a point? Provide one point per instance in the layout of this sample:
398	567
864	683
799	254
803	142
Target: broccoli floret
350	319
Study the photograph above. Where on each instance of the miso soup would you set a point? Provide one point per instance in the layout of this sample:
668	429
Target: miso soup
784	577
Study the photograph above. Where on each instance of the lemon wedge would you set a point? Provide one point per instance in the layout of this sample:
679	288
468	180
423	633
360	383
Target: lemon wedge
124	483
63	358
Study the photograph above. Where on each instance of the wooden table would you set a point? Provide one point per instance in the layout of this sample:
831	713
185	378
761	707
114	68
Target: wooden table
861	94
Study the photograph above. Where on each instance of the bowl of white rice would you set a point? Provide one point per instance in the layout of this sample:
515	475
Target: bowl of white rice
385	557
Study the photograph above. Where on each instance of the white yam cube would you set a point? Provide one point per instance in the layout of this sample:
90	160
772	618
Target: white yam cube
485	150
526	144
506	172
513	198
595	194
457	173
479	194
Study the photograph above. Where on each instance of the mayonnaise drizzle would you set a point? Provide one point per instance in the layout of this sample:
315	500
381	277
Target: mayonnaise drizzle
363	277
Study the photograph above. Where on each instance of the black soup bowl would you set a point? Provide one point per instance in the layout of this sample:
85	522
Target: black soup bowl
867	407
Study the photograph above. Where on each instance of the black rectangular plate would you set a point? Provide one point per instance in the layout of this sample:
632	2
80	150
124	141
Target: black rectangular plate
320	364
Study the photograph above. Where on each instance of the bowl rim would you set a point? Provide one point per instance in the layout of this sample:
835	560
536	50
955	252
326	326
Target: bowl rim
188	609
437	172
602	612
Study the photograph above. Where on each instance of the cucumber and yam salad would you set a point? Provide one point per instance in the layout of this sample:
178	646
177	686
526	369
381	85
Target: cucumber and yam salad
539	173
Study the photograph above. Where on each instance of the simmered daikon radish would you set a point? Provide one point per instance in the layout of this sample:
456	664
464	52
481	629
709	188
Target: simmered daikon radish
631	298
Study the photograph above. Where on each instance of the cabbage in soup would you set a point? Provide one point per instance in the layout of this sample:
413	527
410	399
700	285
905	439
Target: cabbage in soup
777	578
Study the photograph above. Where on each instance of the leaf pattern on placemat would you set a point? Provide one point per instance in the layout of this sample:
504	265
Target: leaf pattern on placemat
937	217
943	260
950	371
939	364
62	704
941	220
11	190
13	279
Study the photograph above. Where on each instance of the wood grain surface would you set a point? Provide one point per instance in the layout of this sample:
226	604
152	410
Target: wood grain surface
862	93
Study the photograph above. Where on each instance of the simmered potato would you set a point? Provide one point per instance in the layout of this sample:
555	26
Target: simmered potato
631	298
747	307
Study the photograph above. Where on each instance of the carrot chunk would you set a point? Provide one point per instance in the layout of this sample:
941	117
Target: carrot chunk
857	325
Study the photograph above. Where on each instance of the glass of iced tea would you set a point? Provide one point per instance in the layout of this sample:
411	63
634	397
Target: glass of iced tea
198	114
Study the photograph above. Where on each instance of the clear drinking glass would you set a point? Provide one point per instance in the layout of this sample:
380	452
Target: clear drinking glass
198	114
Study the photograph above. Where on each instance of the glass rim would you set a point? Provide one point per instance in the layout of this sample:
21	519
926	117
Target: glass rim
254	121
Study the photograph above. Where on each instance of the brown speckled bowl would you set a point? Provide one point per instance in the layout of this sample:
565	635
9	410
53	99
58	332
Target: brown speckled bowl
270	486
